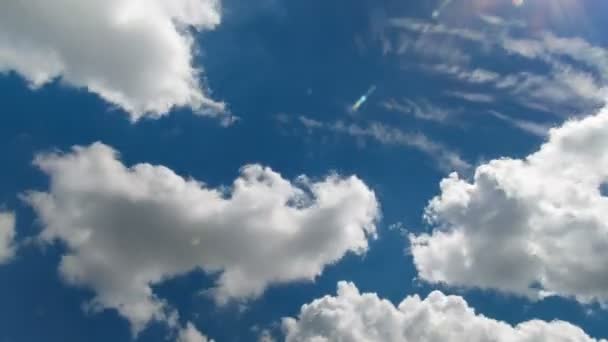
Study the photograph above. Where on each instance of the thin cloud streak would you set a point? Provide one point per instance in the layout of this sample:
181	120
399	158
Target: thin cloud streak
534	128
573	84
422	110
446	159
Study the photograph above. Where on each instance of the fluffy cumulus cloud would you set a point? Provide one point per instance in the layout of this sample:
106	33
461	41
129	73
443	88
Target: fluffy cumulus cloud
127	228
136	54
536	226
353	317
7	234
191	334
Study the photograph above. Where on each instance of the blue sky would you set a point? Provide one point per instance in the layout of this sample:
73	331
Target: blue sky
519	239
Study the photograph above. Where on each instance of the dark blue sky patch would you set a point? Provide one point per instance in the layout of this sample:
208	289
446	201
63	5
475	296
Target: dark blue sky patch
604	189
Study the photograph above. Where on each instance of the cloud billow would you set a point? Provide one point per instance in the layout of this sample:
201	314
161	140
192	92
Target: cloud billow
138	55
128	228
352	316
535	226
7	236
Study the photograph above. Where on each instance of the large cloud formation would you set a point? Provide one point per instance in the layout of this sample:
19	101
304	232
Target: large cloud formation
7	235
536	226
355	317
137	54
127	228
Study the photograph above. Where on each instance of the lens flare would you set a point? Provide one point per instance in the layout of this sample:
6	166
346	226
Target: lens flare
355	107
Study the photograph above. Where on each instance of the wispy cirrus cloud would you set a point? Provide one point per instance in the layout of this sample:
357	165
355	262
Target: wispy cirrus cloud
549	47
534	128
474	75
422	109
571	82
445	158
470	97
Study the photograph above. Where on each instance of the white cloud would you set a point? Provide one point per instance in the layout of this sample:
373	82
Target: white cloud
136	54
422	110
531	127
471	97
563	91
501	22
7	235
266	336
429	48
311	123
354	317
446	159
191	334
545	46
475	76
127	228
536	226
573	84
421	26
549	47
562	88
